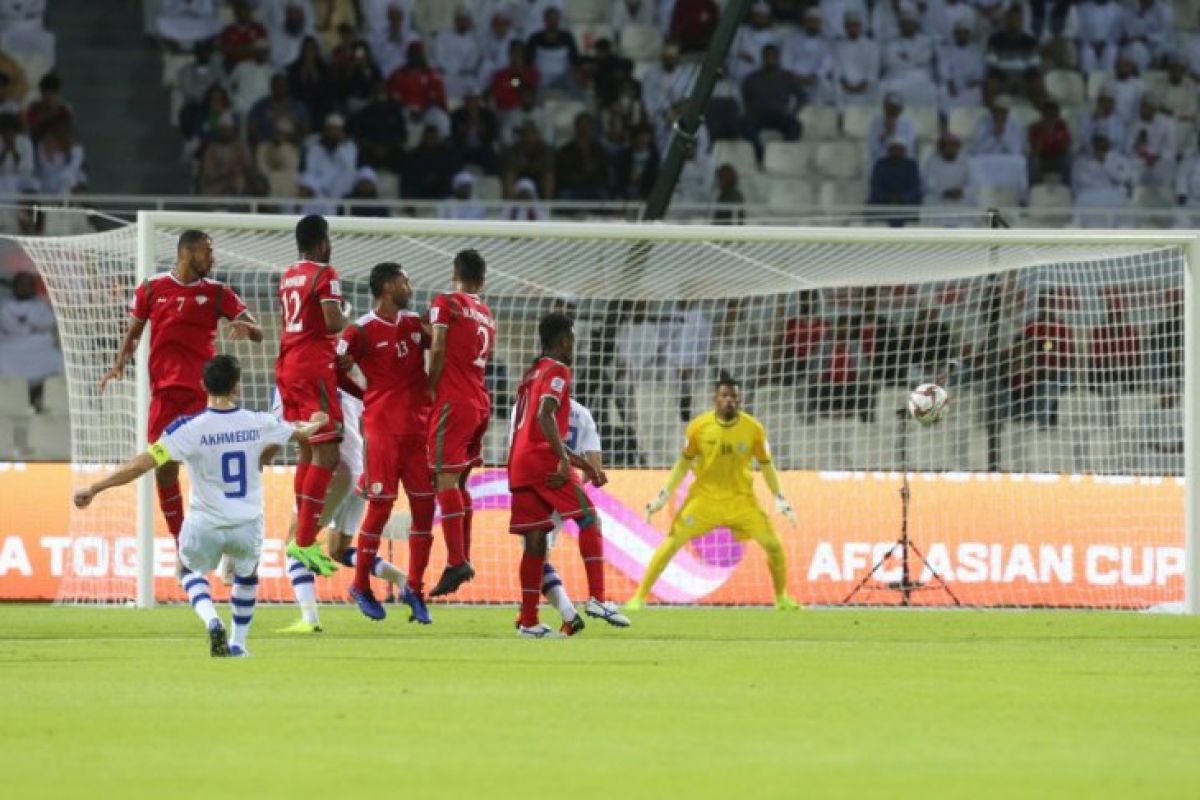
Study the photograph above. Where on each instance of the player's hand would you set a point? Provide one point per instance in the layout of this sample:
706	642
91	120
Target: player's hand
561	476
596	475
240	330
318	419
345	363
114	374
83	498
656	504
784	508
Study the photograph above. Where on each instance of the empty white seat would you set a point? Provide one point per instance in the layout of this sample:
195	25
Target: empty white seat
1049	204
840	194
841	160
856	121
576	11
995	196
962	121
50	438
738	154
820	123
1066	87
14	397
8	450
1095	81
787	159
54	395
925	121
489	187
790	194
641	42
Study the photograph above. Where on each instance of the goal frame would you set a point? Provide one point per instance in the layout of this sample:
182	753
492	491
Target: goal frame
149	223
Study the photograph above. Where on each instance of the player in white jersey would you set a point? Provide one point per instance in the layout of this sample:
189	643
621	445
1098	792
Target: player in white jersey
224	448
343	512
582	438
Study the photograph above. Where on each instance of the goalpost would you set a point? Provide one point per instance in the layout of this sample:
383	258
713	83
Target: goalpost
1057	479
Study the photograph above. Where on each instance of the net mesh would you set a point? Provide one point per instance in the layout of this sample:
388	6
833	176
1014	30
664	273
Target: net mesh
1055	478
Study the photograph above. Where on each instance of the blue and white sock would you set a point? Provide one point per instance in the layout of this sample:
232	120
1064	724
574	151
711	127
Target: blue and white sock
243	596
556	593
305	589
199	594
384	570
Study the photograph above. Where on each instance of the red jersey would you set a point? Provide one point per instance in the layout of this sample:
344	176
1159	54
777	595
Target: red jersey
183	326
530	458
470	336
305	345
391	356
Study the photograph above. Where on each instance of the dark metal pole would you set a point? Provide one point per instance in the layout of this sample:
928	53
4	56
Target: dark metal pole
686	125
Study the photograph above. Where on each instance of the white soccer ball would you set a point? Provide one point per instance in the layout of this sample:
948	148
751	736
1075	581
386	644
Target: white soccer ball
927	403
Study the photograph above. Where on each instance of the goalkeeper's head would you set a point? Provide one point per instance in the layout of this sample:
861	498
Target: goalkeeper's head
728	396
312	239
557	334
222	376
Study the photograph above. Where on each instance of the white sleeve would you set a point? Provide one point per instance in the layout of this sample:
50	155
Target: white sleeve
589	437
178	440
276	403
274	430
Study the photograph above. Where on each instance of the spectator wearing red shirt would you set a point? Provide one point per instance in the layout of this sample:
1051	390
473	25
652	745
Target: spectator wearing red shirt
1049	145
839	382
693	23
1042	366
48	110
237	38
802	334
1116	357
507	82
416	85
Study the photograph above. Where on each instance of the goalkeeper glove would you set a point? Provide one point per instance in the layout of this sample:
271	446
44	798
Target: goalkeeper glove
656	504
782	506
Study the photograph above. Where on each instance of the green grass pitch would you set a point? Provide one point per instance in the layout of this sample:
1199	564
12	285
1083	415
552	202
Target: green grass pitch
687	704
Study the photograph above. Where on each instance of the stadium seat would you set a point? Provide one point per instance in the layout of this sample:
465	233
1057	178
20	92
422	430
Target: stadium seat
583	11
8	447
962	121
786	159
1155	80
925	120
1049	205
641	42
1095	81
430	16
856	121
489	187
740	154
586	35
820	123
14	397
841	160
997	197
790	194
1066	87
1149	199
1025	115
840	194
54	395
50	438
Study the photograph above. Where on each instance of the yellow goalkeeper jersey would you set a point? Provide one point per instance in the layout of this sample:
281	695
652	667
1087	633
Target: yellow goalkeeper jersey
721	453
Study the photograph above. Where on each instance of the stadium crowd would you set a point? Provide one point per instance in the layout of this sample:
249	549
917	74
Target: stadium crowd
951	104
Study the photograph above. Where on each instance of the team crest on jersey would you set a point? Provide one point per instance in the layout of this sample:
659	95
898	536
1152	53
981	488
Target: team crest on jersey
201	299
557	384
376	488
416	337
742	448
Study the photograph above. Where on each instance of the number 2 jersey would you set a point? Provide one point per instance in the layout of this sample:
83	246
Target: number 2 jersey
305	344
530	458
470	336
222	449
391	355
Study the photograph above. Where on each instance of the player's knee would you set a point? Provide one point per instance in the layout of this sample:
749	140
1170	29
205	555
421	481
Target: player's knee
535	543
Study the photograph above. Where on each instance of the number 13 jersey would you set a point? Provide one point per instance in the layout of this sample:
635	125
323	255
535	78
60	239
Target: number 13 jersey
470	336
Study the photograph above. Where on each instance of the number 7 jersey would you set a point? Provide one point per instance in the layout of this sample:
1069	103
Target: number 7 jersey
470	337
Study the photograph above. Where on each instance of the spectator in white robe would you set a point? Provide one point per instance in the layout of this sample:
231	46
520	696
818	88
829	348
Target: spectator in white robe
1128	87
1187	183
1096	27
287	39
1150	144
528	16
667	82
375	15
631	12
389	45
833	16
941	17
891	123
1147	28
885	20
1102	119
961	70
745	54
947	177
183	23
250	80
808	55
331	161
1187	44
28	347
856	65
462	203
494	44
908	61
273	13
1102	179
456	53
1179	93
998	133
526	206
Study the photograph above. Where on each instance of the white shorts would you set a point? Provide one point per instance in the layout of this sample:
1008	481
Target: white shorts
201	545
348	514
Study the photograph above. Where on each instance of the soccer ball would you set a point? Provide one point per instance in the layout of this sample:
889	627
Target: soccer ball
927	403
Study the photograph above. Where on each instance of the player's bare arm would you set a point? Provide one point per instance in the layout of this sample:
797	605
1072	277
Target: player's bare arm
335	317
245	327
437	359
133	335
549	427
127	473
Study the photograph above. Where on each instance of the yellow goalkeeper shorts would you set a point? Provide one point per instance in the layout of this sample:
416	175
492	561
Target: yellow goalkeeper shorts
744	518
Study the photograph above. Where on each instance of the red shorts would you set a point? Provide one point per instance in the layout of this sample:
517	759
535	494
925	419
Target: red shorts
388	460
168	405
533	506
456	437
302	395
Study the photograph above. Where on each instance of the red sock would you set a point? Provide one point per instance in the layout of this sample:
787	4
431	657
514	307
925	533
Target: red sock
531	588
298	482
451	501
368	542
312	503
591	547
420	540
170	500
467	515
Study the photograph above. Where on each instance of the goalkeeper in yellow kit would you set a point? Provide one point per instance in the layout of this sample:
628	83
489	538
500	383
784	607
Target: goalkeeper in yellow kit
720	446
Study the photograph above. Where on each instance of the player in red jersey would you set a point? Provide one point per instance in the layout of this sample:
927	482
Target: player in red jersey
184	307
539	464
464	333
310	297
389	344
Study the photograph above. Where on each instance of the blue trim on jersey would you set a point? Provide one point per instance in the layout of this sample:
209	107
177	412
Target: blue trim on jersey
179	422
222	410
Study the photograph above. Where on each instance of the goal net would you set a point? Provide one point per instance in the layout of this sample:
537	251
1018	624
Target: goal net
1055	479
